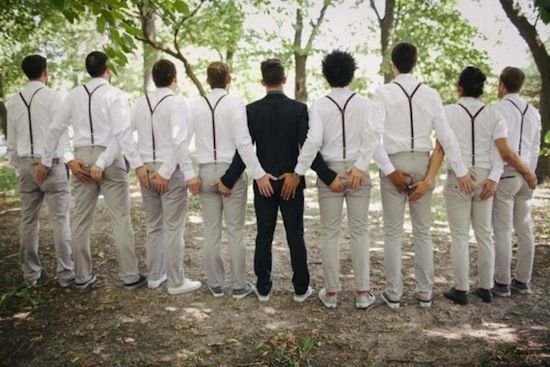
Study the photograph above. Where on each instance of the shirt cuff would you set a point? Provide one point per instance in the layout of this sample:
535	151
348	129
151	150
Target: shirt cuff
495	175
259	172
165	171
100	162
300	169
47	161
460	170
387	169
361	164
68	156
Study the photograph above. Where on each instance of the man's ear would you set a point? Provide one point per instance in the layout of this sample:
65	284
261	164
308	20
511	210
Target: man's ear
263	83
284	80
228	79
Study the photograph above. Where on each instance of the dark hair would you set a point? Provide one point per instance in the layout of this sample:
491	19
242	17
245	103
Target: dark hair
512	78
338	68
96	63
403	56
217	73
273	72
472	80
164	72
33	66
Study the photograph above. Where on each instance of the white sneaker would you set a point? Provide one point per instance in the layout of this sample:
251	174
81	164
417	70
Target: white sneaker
364	299
187	286
301	298
329	300
152	284
391	303
262	298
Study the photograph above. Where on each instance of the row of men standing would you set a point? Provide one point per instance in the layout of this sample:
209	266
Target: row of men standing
342	138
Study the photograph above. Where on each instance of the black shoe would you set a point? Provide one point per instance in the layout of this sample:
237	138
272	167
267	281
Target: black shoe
522	288
459	297
485	295
501	290
138	283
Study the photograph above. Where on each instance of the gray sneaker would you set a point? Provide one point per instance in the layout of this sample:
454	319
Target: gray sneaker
86	285
243	292
216	291
142	280
38	282
65	283
329	299
520	287
391	303
501	290
364	299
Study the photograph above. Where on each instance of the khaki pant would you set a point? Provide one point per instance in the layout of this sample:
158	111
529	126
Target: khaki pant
330	205
114	188
393	205
461	211
512	207
165	218
233	211
56	192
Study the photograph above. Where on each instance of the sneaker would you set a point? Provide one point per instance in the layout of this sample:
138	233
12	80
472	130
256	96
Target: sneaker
86	285
65	283
459	297
243	292
38	282
153	284
262	297
391	303
302	297
216	291
364	299
501	290
522	288
425	303
329	299
138	283
485	295
187	286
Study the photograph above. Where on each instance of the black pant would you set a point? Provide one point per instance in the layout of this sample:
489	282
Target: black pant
293	218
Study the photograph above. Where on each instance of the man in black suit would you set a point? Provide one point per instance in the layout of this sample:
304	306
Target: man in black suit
278	126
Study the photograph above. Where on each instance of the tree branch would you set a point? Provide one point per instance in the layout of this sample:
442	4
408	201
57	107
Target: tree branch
298	29
529	33
317	25
373	6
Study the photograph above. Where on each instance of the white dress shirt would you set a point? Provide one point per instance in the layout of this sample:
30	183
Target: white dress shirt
110	118
391	107
169	121
231	131
488	127
530	135
43	108
325	132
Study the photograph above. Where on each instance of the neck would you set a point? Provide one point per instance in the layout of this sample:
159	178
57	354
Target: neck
275	88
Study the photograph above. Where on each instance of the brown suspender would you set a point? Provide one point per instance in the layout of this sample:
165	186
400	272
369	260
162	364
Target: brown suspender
152	111
213	110
90	94
472	119
521	124
343	114
409	98
28	105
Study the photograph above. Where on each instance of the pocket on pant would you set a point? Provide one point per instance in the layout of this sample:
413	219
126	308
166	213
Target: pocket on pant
57	179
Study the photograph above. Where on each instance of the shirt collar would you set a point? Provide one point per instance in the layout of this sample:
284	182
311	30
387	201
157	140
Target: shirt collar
35	84
511	96
97	81
404	77
163	91
218	92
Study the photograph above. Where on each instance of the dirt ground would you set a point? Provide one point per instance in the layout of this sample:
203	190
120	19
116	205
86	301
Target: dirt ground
110	326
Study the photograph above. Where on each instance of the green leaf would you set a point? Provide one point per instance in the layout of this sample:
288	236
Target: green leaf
100	24
547	138
181	7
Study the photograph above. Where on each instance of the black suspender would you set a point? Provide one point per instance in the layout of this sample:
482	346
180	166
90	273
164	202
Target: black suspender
521	124
213	110
343	114
152	111
472	119
90	94
409	98
28	105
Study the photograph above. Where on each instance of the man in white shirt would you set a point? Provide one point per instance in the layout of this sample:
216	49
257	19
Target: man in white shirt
513	198
161	120
30	112
410	111
339	129
100	117
219	124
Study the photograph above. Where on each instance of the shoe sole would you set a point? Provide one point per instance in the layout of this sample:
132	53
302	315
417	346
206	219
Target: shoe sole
363	306
84	287
303	297
171	292
135	286
328	305
502	295
391	304
262	298
522	291
424	304
241	296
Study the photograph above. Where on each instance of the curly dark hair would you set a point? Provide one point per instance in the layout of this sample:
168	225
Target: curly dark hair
338	68
472	80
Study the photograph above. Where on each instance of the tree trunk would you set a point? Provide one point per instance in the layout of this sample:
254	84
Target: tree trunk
150	55
300	88
3	110
543	168
386	31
